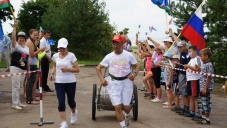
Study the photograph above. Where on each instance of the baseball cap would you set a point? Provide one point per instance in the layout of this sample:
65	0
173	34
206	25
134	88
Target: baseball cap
118	38
176	57
62	43
169	55
179	44
168	40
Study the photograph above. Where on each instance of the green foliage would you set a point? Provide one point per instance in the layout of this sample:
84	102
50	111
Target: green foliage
215	21
183	10
217	37
84	23
30	14
6	14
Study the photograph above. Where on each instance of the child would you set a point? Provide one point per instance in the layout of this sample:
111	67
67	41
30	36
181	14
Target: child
175	85
168	76
206	86
193	82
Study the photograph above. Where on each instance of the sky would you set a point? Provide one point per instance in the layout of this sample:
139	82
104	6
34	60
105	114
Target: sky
126	14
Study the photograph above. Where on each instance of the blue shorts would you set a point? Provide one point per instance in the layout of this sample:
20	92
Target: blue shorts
204	103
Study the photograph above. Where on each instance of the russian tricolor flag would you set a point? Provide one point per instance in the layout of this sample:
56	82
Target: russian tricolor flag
193	30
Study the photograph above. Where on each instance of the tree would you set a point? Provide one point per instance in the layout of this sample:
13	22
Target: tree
6	11
30	14
217	37
84	23
182	11
6	14
216	23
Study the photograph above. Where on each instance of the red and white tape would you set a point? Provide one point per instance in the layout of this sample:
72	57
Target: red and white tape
201	73
15	74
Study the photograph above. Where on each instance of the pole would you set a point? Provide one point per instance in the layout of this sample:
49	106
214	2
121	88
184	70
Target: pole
144	73
167	23
41	103
11	9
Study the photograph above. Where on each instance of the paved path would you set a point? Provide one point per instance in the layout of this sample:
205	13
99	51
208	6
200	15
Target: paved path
151	115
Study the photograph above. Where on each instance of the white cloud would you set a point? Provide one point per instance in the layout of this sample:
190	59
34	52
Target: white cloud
125	14
131	13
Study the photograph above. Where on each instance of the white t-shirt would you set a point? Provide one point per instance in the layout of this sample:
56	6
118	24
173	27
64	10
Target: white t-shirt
45	43
24	49
119	65
194	76
67	62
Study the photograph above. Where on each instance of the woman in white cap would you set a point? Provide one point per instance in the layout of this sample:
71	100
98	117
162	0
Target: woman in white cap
65	65
19	63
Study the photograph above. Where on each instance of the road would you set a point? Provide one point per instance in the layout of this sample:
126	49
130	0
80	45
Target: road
151	115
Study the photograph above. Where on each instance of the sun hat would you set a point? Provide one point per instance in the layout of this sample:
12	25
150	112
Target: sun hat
168	40
62	43
117	38
21	34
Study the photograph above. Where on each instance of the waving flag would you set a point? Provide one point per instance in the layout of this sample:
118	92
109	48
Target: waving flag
154	55
139	26
193	30
40	28
171	21
4	4
156	61
51	42
163	4
152	28
146	33
1	31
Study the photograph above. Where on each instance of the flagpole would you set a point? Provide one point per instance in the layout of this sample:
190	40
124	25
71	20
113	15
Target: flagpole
11	9
166	23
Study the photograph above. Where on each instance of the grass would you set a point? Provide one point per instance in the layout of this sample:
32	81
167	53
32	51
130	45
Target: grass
3	63
88	62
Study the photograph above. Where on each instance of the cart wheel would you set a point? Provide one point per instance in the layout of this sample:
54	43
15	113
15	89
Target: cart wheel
135	106
94	95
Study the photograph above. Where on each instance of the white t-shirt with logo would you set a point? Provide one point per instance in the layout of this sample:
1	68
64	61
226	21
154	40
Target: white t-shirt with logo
194	76
67	62
119	65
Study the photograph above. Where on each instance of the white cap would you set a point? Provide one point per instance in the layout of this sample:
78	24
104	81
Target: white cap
168	40
62	43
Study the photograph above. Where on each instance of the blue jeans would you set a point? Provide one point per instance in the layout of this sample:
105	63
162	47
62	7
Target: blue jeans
70	90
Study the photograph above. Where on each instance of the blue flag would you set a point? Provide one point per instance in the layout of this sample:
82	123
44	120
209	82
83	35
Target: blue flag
163	4
51	42
1	31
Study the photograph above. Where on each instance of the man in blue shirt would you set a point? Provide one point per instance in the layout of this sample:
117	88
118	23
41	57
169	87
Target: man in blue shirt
5	50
